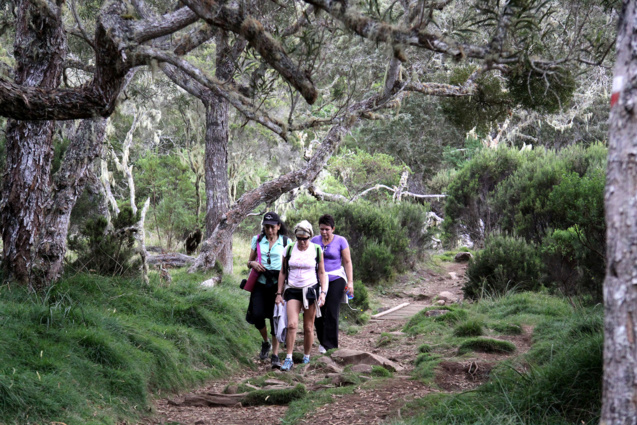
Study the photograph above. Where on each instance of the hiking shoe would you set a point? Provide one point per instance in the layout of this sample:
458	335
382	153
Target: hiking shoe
287	364
265	350
306	359
276	363
322	349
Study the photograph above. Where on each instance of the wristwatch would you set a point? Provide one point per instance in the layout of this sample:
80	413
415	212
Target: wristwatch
324	292
278	293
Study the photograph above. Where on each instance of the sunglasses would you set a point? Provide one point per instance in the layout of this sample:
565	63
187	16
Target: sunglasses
302	239
267	254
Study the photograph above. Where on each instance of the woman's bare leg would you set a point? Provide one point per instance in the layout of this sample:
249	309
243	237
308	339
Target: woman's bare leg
293	308
308	328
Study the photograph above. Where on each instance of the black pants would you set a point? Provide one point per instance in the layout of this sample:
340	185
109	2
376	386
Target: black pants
327	325
262	301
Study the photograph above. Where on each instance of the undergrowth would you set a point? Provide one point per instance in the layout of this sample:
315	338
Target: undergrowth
94	349
557	382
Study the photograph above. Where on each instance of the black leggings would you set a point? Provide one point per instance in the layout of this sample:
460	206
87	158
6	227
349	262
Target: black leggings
262	302
327	324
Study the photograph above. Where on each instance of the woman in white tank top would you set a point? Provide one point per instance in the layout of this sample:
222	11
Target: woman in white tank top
302	285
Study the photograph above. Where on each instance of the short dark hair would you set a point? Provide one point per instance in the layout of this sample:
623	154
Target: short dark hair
327	219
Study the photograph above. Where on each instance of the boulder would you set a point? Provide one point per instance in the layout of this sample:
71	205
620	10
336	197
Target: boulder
441	302
210	283
463	257
327	364
354	357
362	368
446	296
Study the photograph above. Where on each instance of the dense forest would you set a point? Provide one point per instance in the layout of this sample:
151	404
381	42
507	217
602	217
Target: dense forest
135	130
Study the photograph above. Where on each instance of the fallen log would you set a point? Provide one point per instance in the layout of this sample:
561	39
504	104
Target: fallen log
172	260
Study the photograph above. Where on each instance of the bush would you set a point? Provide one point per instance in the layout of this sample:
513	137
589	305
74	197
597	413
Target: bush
469	203
469	328
359	305
106	252
506	263
486	345
379	237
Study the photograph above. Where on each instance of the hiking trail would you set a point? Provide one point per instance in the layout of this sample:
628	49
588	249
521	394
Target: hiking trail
372	402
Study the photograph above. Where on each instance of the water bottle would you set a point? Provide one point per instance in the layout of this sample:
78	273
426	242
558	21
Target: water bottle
350	296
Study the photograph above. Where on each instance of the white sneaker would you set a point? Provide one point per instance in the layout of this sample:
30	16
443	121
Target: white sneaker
322	349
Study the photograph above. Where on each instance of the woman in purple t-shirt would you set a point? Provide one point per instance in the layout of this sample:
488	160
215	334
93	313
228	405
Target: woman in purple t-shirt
338	265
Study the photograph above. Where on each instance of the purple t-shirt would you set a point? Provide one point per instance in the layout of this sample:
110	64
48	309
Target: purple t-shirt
332	253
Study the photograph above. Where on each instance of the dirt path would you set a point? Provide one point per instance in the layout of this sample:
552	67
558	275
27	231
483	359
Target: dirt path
370	403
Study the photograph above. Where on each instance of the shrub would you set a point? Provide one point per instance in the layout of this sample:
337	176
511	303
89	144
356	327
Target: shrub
379	237
504	264
376	263
469	328
106	252
507	328
486	345
358	306
469	204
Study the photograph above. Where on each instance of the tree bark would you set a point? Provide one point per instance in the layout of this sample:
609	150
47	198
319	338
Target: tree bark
216	163
69	184
619	400
39	48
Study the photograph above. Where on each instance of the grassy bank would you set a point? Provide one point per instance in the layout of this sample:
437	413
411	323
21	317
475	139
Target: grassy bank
557	382
94	349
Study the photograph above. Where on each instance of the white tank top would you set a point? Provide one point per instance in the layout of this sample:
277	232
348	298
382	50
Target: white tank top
302	267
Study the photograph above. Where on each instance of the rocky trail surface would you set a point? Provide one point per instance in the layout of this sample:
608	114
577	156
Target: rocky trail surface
380	341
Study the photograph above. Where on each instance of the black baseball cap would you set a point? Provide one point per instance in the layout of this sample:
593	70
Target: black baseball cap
271	218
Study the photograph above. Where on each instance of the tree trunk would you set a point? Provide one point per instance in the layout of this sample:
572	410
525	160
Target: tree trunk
39	48
216	168
619	400
69	184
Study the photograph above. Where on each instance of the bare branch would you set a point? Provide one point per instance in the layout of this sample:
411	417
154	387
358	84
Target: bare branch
227	18
382	32
152	28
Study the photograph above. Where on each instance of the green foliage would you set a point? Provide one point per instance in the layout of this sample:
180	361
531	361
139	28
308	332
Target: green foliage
507	328
167	180
506	263
469	328
551	199
274	397
359	170
559	381
543	91
488	104
106	251
469	196
359	305
381	372
93	349
486	345
379	237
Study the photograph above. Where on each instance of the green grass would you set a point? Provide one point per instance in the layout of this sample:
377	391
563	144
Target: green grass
486	345
557	382
95	349
299	408
469	328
